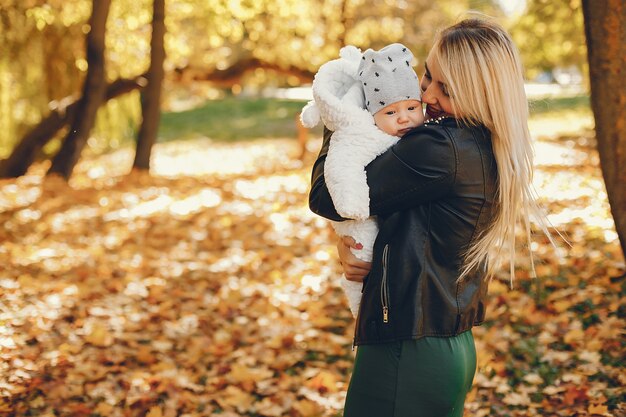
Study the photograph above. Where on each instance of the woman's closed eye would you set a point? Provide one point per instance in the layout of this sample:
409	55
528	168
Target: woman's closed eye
426	80
444	89
427	73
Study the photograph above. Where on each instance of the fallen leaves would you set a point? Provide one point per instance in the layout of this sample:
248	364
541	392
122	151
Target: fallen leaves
207	290
99	335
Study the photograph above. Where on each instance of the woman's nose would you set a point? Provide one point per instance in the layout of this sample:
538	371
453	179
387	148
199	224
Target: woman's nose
427	96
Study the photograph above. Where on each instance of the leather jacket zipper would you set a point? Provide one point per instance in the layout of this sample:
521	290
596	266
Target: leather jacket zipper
384	287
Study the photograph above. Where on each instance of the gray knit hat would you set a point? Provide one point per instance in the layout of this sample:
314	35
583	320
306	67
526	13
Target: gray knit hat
388	77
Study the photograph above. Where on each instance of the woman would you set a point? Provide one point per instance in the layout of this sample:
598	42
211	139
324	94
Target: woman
447	197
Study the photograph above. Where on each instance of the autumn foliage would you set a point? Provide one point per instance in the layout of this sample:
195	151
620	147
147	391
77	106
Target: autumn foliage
209	289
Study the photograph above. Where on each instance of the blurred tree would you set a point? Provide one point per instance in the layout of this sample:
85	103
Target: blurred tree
151	95
605	30
231	43
23	155
41	41
294	37
550	34
94	90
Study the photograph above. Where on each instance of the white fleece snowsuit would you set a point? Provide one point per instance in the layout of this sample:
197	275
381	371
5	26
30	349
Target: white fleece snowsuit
356	141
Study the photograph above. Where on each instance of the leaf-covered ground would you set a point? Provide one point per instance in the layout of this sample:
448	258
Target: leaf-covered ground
209	289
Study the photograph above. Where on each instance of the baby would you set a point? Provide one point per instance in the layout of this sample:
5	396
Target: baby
391	88
369	100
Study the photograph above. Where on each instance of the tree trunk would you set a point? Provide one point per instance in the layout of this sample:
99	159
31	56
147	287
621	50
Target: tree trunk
26	150
346	23
605	30
93	93
151	96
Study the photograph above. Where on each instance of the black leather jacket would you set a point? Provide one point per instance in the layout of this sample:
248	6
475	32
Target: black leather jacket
433	193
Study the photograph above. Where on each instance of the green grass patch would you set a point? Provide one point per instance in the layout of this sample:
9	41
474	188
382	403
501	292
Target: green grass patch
557	104
558	116
233	119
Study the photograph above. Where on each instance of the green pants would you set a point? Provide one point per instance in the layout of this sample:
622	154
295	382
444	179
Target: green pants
428	377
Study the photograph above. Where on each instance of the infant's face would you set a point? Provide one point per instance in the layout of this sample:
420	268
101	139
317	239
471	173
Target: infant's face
398	118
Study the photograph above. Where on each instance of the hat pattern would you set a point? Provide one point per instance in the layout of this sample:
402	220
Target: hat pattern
387	77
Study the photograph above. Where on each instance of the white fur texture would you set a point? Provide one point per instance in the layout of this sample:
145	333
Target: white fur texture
338	100
364	232
310	115
351	149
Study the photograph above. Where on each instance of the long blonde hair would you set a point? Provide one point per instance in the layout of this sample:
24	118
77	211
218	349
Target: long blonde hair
483	71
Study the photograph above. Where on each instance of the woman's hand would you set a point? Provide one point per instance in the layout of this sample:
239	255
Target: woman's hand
353	268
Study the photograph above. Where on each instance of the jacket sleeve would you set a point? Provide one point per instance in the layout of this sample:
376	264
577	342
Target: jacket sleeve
420	168
320	201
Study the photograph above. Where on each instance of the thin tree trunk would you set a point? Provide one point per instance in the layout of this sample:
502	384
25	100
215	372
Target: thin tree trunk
151	96
30	145
93	94
345	21
605	30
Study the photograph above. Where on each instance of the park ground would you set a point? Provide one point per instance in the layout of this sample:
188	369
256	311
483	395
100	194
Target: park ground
208	288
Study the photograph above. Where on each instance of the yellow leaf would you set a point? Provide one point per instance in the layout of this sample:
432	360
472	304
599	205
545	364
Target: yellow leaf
516	398
323	382
497	287
38	402
533	379
155	412
104	409
574	378
307	408
597	409
591	357
552	390
574	335
270	409
67	348
241	373
99	336
234	397
561	305
144	355
322	321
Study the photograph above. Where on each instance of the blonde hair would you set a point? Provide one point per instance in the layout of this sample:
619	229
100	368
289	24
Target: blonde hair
483	71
